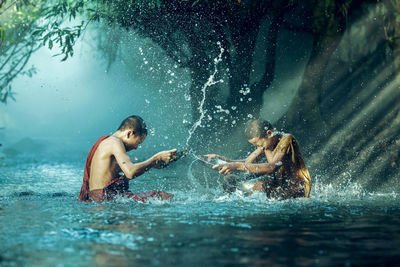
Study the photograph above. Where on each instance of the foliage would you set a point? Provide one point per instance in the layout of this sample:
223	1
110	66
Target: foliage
187	30
329	15
130	14
16	44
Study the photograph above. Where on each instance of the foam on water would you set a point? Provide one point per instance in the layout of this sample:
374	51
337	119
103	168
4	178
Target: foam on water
49	180
103	237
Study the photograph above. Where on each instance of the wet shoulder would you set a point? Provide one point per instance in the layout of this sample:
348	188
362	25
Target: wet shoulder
109	144
285	143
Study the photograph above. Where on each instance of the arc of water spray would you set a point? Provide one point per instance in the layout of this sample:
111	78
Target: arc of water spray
209	83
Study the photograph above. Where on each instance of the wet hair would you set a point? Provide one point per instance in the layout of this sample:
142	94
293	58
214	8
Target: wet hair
257	128
134	123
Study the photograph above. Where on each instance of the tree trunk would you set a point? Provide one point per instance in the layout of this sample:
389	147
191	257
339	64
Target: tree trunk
244	41
249	103
396	38
305	106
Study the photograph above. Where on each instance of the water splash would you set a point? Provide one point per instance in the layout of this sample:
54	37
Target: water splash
209	83
193	180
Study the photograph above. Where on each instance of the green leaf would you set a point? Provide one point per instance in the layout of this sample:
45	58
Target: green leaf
4	99
11	95
2	34
195	3
50	44
12	41
37	32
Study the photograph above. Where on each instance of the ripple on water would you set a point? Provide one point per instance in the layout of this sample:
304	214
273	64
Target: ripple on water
42	223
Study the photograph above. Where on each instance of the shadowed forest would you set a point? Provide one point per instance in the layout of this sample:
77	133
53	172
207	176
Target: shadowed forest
326	71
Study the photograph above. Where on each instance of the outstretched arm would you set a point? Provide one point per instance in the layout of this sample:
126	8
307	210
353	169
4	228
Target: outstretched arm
256	168
253	157
132	170
209	157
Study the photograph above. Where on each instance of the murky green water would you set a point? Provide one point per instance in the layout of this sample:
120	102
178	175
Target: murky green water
42	224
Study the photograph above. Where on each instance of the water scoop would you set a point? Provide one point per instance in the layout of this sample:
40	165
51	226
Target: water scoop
175	157
180	154
209	163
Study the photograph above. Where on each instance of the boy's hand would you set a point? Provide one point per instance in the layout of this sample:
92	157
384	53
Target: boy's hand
162	158
209	157
226	168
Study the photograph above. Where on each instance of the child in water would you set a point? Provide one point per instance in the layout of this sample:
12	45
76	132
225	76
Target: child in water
108	158
283	176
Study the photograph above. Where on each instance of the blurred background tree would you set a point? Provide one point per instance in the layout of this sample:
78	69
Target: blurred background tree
354	60
17	19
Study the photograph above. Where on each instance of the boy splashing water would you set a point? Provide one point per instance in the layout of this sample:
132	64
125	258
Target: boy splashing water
283	176
108	157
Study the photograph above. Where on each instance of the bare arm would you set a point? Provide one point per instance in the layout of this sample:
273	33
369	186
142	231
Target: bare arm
209	157
253	157
132	170
257	168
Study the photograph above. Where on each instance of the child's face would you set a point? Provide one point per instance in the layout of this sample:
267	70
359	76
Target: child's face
258	142
133	141
263	141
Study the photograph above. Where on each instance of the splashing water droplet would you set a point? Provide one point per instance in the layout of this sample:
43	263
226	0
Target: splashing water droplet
220	109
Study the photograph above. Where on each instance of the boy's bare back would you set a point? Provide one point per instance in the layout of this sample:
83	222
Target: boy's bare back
104	167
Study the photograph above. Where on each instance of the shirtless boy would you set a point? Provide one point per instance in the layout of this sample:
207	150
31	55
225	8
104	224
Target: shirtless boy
108	158
283	176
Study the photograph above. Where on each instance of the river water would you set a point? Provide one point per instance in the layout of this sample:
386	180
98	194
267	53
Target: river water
43	224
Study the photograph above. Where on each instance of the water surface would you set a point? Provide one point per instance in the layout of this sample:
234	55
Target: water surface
42	223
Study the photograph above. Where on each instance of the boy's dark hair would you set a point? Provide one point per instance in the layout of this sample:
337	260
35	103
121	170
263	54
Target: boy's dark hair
136	124
257	128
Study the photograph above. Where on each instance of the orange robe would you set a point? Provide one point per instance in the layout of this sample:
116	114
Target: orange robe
292	178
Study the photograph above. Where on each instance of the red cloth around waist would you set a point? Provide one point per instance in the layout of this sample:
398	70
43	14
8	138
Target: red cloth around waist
120	187
84	194
100	195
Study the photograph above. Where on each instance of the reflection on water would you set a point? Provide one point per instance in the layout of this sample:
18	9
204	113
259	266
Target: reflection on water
42	224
